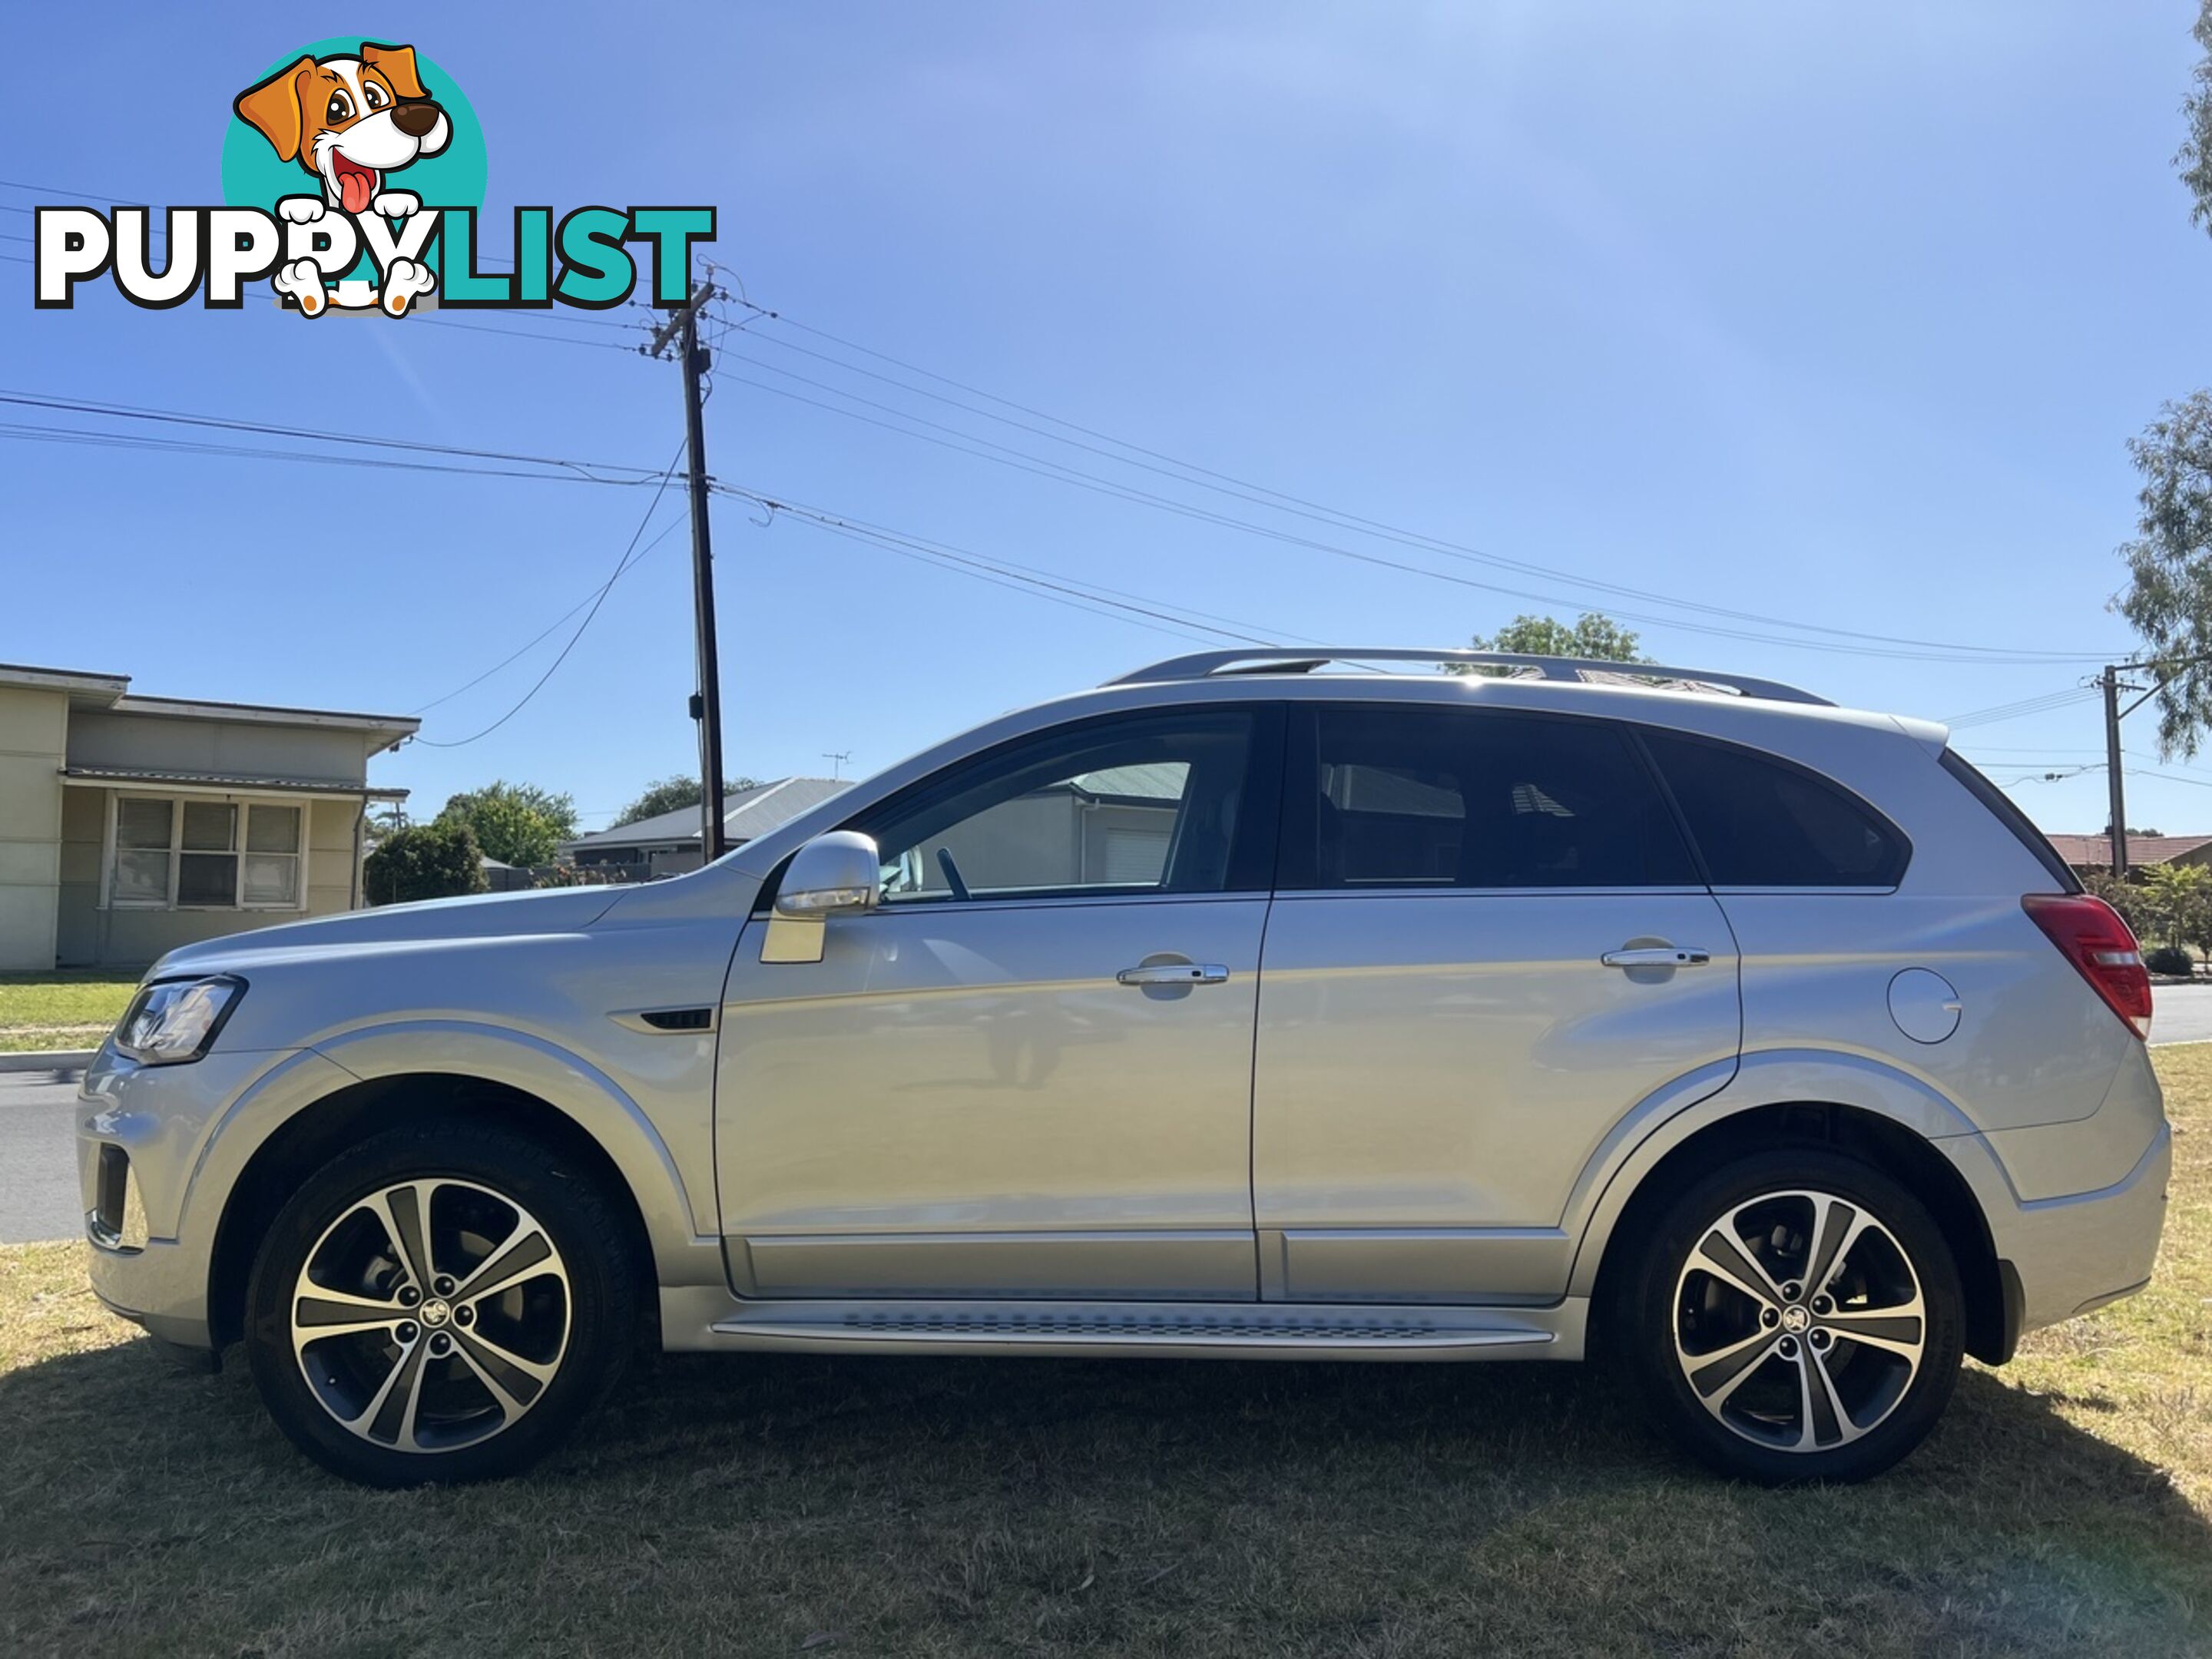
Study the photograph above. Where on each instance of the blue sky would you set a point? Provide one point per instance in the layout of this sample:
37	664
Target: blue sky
1837	315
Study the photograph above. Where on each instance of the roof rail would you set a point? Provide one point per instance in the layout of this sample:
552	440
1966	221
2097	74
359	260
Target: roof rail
1287	659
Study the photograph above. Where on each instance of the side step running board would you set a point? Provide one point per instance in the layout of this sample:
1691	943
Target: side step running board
1330	1332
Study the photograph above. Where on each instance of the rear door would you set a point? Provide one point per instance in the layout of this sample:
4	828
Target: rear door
1488	946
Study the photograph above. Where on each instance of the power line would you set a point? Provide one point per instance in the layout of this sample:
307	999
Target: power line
229	423
1235	628
1264	495
2013	711
1157	615
667	531
605	588
29	432
1222	482
1022	461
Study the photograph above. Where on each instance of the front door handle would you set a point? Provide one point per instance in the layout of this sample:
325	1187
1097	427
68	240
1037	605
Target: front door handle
1657	956
1175	973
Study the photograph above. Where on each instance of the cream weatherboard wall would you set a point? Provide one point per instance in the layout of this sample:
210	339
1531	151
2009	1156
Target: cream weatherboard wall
131	826
33	744
92	934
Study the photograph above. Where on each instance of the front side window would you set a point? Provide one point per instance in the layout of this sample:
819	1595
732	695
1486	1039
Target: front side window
205	854
1400	797
1130	804
1759	822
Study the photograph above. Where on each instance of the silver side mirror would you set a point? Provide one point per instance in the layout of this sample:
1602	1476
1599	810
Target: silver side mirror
838	873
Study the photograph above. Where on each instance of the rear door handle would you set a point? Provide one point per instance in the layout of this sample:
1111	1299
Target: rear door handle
1175	973
1658	955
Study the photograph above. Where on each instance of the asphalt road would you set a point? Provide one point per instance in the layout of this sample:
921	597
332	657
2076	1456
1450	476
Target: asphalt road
37	1160
2181	1013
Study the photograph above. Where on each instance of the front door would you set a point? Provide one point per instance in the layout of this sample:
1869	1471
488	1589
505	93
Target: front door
1027	1073
1491	945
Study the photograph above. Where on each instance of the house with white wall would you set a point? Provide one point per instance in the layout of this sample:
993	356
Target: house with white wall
130	825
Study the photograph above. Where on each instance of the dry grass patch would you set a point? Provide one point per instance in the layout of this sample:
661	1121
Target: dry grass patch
937	1507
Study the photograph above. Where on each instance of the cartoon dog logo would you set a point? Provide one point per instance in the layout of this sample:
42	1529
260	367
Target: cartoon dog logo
351	122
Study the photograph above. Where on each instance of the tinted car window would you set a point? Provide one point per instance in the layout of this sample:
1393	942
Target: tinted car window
2001	807
1761	822
1426	798
1149	803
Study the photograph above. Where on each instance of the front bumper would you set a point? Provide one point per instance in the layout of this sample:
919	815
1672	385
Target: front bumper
155	1171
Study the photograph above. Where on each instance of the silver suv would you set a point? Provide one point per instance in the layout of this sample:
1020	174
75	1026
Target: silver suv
1260	1004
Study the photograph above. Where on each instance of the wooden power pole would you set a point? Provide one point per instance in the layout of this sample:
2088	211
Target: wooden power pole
683	327
2116	789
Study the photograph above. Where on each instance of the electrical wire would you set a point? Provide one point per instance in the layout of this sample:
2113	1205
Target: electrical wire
2026	705
1021	461
229	423
1264	495
21	433
668	529
1172	467
1006	573
605	588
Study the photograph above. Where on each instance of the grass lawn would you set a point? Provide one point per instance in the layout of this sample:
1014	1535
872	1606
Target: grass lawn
60	1009
933	1506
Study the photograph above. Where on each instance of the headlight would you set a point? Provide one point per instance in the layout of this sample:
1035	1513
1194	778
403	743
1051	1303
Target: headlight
176	1020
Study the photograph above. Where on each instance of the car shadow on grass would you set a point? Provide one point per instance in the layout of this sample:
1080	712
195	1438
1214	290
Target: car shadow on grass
897	1506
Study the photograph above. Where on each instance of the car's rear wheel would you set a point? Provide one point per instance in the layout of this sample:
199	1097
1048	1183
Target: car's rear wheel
1796	1316
440	1303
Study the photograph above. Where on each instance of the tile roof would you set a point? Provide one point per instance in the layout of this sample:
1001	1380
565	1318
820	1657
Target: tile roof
2081	851
746	816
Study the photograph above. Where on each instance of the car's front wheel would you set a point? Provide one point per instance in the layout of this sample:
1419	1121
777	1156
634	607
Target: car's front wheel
439	1303
1796	1316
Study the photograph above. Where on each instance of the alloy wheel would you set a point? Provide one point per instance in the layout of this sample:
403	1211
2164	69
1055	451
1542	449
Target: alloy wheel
1799	1321
431	1314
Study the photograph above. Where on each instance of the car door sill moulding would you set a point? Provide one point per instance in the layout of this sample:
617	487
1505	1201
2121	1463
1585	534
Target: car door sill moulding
1105	1329
1180	1264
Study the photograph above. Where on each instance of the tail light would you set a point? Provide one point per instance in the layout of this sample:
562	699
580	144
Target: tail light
2090	934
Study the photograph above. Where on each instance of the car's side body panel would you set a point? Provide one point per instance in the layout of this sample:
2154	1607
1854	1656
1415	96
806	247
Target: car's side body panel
960	1098
1437	1067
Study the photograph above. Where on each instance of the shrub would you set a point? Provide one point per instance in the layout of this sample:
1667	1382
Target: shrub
2170	959
425	861
574	875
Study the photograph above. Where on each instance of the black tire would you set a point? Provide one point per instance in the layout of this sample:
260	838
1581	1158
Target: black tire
588	1293
1663	1298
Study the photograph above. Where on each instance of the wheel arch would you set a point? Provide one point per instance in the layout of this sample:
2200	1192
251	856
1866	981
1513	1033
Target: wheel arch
1892	1126
395	1076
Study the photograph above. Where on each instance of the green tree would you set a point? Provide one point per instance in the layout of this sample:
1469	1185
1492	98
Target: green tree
2195	160
2178	902
2169	593
672	794
1593	635
514	822
423	861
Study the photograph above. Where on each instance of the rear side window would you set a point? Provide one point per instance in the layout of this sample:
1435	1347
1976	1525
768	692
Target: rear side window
2002	808
1760	822
1396	797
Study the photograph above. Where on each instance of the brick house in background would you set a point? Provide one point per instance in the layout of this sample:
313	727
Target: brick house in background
130	825
2088	853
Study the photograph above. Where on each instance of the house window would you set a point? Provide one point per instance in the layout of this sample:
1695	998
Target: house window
187	854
